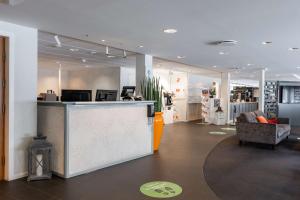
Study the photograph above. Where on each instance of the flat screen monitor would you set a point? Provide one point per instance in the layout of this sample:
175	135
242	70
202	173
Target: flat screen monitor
106	95
128	91
76	95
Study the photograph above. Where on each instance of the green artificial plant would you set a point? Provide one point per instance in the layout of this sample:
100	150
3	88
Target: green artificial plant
151	90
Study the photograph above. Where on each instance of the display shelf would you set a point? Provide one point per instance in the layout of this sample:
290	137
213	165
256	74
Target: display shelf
271	98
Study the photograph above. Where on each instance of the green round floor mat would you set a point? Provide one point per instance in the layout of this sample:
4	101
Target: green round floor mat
161	189
228	129
217	133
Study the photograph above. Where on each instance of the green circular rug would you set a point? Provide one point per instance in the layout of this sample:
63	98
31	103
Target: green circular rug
161	189
217	133
229	129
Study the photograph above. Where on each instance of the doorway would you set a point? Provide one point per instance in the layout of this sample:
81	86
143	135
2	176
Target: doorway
2	104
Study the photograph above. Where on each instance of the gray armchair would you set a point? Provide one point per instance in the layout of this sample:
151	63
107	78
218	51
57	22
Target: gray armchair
249	130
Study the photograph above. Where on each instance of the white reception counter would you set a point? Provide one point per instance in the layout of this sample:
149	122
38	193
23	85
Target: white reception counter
92	135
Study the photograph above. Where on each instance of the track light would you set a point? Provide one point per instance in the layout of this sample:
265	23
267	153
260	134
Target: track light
109	55
58	43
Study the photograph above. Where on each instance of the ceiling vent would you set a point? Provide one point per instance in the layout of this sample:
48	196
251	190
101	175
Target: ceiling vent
224	43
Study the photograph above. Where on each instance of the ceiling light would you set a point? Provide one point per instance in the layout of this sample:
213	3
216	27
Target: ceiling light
297	76
83	60
249	64
141	46
298	67
223	53
110	56
74	49
58	43
215	66
293	49
180	57
103	40
266	42
170	30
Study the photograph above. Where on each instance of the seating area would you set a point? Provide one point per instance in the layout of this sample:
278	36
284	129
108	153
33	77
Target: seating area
140	100
249	129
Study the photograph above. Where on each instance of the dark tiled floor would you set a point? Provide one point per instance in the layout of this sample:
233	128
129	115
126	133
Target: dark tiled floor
180	160
255	170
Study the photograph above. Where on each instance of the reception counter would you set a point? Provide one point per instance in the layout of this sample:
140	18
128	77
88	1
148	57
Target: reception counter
88	136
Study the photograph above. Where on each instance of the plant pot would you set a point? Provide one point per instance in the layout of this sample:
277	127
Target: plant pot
158	129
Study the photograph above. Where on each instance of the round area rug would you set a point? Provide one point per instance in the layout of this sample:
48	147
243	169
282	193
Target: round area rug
253	171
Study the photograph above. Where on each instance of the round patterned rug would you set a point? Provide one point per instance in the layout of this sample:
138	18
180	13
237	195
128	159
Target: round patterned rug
254	171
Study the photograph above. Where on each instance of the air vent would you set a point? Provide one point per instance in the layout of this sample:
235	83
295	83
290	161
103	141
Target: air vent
224	43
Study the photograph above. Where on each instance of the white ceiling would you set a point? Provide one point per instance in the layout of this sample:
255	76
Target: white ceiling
130	23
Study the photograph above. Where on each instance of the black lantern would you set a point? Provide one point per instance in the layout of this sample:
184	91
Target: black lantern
39	159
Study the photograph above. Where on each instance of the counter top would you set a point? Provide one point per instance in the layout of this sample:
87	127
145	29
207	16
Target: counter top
92	102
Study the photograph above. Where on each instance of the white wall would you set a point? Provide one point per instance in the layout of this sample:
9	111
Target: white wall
48	80
22	95
93	78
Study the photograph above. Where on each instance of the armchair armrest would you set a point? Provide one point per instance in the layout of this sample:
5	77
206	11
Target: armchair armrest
283	120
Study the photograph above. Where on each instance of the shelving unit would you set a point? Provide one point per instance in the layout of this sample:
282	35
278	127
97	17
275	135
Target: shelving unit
271	98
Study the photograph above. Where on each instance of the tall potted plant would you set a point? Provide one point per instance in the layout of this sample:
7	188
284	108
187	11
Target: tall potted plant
152	90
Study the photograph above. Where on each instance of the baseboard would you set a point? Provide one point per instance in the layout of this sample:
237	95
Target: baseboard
18	176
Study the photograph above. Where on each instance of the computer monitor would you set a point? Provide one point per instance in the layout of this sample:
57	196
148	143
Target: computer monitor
128	91
76	95
106	95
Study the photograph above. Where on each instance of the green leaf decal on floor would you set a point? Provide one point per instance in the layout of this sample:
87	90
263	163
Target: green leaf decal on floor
160	189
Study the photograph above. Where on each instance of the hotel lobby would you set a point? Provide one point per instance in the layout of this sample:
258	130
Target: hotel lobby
147	100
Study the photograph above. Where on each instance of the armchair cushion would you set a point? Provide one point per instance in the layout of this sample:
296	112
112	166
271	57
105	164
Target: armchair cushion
262	119
248	117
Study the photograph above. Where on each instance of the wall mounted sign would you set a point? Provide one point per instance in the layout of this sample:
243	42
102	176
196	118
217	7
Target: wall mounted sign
161	189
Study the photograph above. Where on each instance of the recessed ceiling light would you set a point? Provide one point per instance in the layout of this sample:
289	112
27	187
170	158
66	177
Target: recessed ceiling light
103	40
180	57
72	49
267	42
141	46
223	53
83	60
249	64
293	49
170	30
215	66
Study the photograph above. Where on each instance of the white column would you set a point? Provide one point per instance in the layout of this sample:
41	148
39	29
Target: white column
59	82
143	69
261	102
225	95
